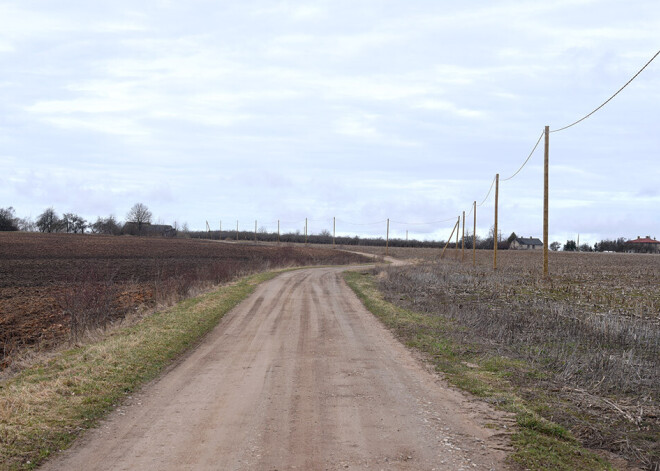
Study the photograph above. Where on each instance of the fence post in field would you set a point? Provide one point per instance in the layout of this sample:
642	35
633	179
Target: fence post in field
474	237
278	231
463	239
497	191
449	240
237	229
334	230
387	238
545	201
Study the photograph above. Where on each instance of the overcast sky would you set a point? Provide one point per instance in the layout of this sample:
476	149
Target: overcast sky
363	110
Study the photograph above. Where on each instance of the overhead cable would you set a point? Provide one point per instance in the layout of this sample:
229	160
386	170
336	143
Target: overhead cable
527	160
488	194
610	98
422	223
362	224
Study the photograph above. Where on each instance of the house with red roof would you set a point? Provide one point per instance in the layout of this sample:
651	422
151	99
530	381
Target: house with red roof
643	245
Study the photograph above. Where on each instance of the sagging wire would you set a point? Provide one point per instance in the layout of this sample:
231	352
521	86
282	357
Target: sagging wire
610	98
362	224
488	194
526	160
421	223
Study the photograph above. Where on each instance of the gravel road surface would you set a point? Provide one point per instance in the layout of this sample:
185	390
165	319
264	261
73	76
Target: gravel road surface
299	376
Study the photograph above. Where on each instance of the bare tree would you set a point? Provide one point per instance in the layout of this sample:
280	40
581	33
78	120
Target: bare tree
26	224
108	225
139	215
73	223
48	221
8	220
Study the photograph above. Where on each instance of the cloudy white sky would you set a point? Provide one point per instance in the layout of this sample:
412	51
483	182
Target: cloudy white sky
363	110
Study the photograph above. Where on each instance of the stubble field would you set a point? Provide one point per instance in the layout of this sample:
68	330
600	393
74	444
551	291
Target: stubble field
582	346
55	287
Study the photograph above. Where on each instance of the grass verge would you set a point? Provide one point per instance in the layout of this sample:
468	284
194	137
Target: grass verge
538	444
45	407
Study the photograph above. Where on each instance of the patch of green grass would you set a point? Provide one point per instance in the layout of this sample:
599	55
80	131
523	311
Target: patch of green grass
43	408
538	443
539	452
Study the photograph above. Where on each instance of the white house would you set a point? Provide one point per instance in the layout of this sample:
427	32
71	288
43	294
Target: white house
521	243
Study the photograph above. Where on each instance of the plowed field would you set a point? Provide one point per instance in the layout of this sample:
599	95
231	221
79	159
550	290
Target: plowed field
45	277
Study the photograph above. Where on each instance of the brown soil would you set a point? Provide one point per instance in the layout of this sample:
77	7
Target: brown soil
299	376
41	273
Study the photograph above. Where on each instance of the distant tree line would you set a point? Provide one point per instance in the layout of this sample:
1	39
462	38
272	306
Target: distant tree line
605	245
325	237
139	220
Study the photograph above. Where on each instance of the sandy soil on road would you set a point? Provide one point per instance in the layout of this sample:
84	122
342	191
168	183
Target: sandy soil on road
299	376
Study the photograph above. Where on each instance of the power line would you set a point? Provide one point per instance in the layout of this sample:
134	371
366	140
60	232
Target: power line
610	98
422	223
527	160
488	194
362	224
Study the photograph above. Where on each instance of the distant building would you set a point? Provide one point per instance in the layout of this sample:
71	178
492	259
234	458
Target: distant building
147	229
521	243
643	245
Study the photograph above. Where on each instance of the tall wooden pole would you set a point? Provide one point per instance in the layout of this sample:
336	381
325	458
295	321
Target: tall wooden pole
474	237
221	226
458	228
449	240
387	238
255	231
305	231
545	201
463	239
278	231
334	230
237	229
497	193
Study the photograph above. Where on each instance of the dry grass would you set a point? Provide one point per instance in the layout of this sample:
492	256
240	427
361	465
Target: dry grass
43	408
539	444
588	337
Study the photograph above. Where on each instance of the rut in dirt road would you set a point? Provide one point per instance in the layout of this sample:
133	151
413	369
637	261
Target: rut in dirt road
299	376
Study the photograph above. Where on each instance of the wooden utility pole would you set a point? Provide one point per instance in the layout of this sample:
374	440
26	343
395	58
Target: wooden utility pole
406	235
334	230
474	237
545	201
305	231
237	229
255	231
458	222
387	238
497	193
463	239
278	231
220	225
449	240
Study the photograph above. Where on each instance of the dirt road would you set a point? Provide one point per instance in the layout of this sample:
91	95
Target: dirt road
299	376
